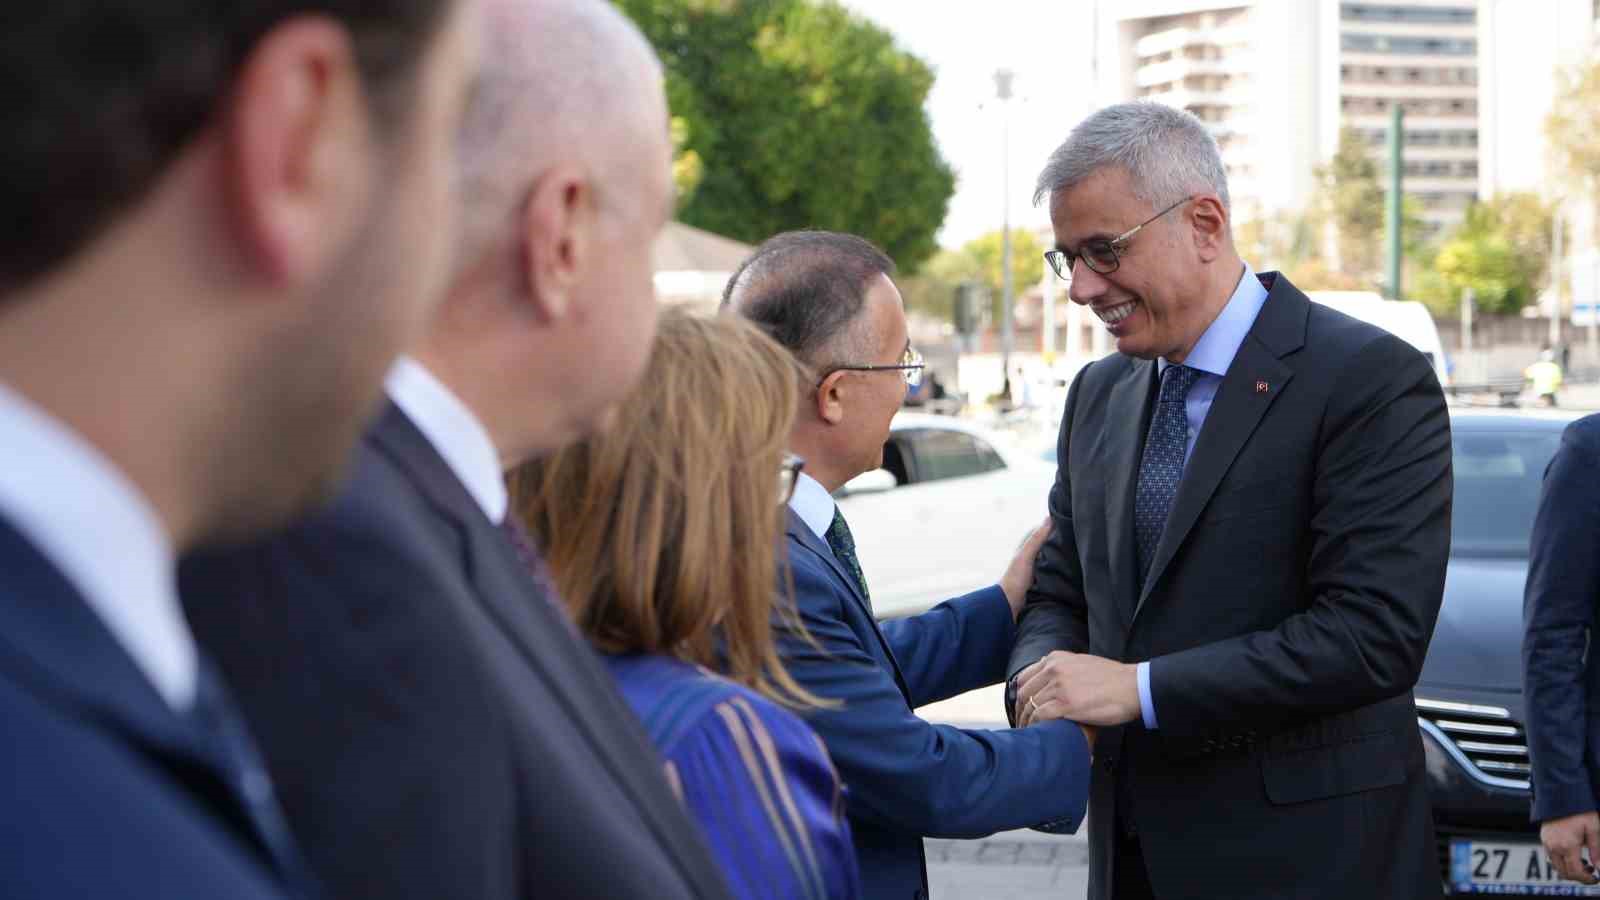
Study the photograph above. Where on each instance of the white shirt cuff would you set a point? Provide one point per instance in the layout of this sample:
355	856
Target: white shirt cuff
1147	706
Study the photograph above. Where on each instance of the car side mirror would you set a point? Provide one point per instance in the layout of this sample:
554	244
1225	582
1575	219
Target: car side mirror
874	482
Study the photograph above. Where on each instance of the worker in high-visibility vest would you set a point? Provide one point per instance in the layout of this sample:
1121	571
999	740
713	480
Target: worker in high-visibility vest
1545	377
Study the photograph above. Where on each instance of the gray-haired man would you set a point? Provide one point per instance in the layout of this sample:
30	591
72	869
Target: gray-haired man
1251	519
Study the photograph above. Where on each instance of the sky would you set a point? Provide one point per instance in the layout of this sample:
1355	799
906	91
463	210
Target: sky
1044	43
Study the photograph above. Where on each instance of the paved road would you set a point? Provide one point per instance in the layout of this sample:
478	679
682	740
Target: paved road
1014	865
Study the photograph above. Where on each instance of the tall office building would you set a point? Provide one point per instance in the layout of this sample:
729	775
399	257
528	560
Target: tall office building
1276	81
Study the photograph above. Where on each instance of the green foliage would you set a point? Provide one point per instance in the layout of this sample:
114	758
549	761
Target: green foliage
1353	201
1501	251
798	114
1027	263
1573	126
933	289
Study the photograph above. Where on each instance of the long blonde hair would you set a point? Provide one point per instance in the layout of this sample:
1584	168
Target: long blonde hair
663	531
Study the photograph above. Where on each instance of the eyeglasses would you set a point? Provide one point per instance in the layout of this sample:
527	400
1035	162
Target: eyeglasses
1101	255
788	477
910	366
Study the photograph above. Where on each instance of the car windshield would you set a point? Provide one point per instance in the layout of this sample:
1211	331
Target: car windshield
1497	478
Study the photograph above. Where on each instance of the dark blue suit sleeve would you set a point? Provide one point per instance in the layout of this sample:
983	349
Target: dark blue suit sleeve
1558	612
958	646
907	774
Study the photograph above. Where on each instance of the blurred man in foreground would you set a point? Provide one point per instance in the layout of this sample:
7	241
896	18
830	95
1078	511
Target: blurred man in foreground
216	243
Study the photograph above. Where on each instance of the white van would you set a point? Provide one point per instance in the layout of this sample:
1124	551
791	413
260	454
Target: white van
1407	320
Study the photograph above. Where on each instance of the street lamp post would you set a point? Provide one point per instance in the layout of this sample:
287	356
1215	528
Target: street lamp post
1002	90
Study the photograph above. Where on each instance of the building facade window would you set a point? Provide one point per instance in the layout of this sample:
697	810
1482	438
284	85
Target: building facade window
1400	44
1427	137
1441	75
1416	15
1417	106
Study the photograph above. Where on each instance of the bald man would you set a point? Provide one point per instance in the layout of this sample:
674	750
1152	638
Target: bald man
436	728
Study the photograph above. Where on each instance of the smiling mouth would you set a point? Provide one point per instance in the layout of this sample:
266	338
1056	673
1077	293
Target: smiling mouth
1111	315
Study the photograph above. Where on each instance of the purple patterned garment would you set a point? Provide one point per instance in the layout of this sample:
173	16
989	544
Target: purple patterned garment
754	775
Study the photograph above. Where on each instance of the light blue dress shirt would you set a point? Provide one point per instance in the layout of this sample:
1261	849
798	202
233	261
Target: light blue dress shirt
815	506
1212	355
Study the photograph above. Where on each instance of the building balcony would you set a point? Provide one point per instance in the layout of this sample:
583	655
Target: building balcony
1180	68
1191	98
1394	90
1174	40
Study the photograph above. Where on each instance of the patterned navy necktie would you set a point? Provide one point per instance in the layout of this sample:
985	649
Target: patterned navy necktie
1161	467
843	545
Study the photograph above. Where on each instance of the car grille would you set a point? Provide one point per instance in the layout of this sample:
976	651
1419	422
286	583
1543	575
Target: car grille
1485	738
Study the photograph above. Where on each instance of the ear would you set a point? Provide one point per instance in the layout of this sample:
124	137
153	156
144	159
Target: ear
558	240
830	397
1210	222
298	163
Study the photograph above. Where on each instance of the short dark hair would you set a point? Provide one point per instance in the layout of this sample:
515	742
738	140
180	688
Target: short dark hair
804	288
100	96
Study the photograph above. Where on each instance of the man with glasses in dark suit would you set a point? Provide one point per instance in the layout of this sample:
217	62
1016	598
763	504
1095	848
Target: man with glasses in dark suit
831	300
1252	519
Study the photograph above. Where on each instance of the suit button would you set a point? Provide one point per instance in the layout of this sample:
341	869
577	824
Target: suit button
1110	762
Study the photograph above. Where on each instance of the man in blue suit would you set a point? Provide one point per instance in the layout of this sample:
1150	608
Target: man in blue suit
191	192
1560	678
830	299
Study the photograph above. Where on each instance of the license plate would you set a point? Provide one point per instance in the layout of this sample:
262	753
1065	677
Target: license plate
1493	867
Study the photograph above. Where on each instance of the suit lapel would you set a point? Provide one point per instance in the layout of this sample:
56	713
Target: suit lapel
1124	441
532	623
799	532
1255	379
53	644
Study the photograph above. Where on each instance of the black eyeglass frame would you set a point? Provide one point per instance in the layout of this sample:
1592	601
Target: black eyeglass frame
912	369
1115	247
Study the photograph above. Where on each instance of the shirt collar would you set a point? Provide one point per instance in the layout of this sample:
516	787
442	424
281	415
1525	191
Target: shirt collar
1220	343
453	430
85	516
813	504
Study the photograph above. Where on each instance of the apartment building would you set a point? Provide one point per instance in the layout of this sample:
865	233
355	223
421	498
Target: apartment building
1276	80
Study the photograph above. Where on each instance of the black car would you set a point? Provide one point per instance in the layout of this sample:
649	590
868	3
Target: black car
1469	698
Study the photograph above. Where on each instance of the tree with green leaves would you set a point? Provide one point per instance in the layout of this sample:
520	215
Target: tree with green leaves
798	114
932	290
1352	200
1501	251
1573	126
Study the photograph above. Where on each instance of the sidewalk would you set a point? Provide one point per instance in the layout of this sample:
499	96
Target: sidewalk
1012	865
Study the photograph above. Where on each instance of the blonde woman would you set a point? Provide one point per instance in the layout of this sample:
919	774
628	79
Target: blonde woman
661	535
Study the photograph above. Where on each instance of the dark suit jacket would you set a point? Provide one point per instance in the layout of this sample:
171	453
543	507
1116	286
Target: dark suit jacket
1287	611
1561	682
435	728
107	791
906	778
